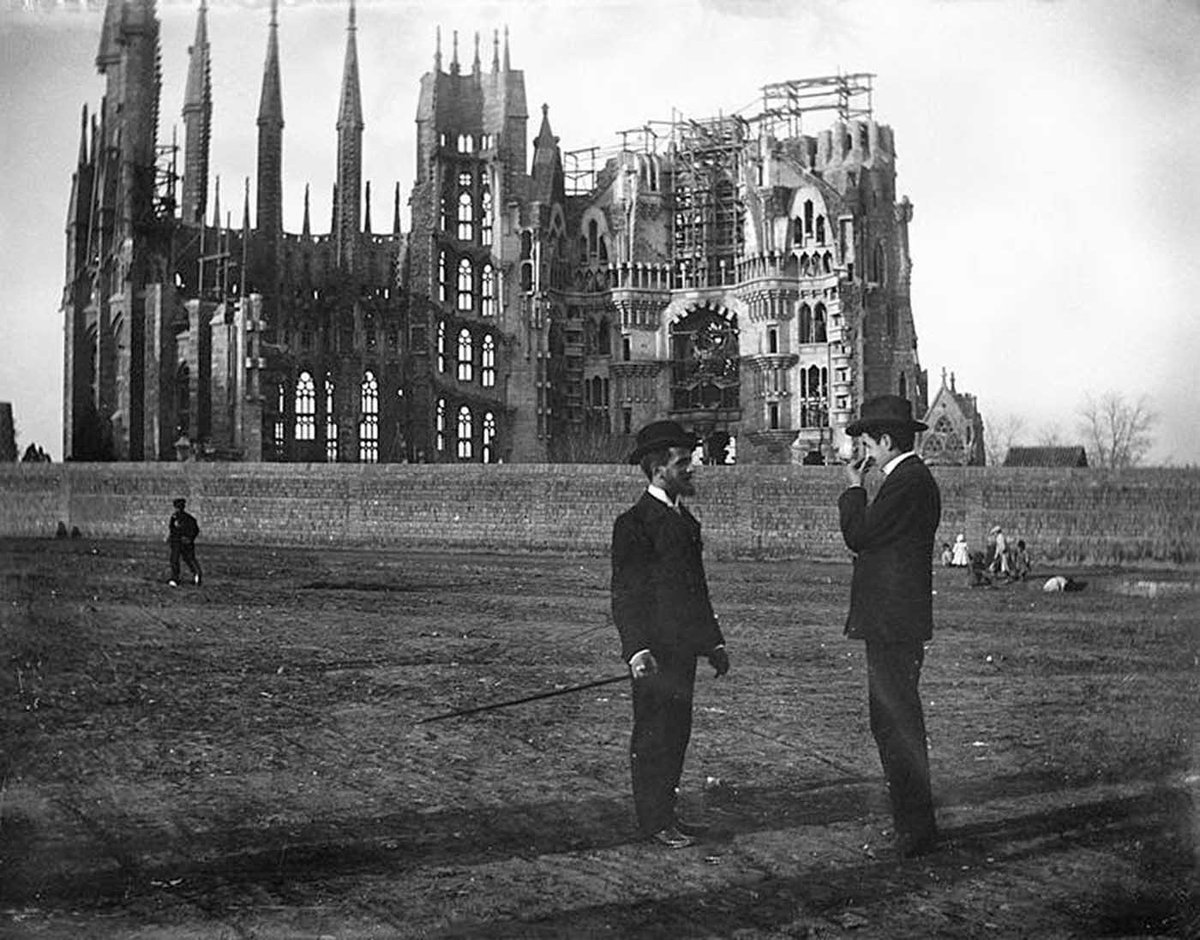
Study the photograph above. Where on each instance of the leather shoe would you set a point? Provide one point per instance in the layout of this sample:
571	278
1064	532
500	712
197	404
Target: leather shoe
692	827
672	838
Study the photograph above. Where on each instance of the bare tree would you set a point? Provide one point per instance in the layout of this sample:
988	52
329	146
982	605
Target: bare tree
1117	432
1050	435
999	435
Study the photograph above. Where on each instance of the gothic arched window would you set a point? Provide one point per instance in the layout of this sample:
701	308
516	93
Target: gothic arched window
464	433
466	286
485	222
465	355
306	408
489	436
440	439
488	290
441	346
368	426
487	369
466	219
331	428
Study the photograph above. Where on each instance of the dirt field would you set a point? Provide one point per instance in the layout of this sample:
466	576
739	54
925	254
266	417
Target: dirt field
242	759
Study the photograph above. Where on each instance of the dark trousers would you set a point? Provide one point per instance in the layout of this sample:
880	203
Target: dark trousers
898	724
662	725
186	551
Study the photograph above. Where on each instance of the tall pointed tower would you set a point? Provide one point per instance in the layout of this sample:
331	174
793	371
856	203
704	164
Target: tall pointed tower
478	341
197	123
270	139
348	204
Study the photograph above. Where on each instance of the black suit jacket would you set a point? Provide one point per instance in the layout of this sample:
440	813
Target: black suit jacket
660	596
891	593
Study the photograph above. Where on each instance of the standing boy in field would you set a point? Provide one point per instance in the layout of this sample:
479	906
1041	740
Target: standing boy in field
182	531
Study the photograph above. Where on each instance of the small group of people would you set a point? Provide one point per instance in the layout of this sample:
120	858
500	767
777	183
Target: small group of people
1001	560
664	614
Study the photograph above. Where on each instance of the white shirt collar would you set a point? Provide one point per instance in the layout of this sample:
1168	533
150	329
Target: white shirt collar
892	464
661	495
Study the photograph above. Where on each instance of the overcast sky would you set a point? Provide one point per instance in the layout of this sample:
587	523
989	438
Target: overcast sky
1051	151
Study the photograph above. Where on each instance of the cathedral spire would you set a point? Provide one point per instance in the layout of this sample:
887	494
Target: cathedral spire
507	65
495	50
367	209
454	53
217	203
437	51
396	212
83	137
306	230
347	205
197	122
475	63
109	52
270	136
350	109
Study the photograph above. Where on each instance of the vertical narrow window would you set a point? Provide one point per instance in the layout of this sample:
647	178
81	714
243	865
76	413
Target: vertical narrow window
485	221
440	437
465	355
819	333
773	415
331	428
903	391
808	217
489	437
626	349
280	414
488	363
464	433
593	237
466	222
442	277
306	408
466	286
488	290
441	346
820	230
772	339
805	319
368	426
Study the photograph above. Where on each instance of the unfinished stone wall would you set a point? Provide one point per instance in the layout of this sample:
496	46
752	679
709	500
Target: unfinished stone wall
768	512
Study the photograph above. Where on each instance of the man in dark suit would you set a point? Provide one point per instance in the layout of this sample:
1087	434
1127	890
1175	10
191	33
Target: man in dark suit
661	607
891	602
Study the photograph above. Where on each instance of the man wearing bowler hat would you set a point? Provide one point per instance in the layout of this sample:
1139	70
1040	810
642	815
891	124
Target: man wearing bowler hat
661	608
891	602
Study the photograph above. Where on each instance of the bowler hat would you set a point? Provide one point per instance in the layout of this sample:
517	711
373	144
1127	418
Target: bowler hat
884	412
661	435
180	503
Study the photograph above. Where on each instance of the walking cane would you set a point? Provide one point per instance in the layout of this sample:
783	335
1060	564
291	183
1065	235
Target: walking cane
528	698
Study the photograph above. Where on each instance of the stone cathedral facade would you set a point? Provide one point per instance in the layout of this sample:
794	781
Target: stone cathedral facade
737	274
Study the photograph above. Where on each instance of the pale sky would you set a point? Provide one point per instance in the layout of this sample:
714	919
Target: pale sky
1051	151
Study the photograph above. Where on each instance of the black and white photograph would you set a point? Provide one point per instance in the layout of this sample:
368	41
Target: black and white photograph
599	468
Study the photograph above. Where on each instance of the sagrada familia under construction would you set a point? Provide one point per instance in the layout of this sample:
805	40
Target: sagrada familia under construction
733	273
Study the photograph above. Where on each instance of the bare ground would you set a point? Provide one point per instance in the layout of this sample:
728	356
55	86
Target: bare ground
243	759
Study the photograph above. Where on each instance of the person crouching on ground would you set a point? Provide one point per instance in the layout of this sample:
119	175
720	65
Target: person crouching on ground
891	602
662	611
182	531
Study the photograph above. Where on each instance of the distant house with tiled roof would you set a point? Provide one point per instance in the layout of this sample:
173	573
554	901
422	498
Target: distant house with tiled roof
1046	457
955	435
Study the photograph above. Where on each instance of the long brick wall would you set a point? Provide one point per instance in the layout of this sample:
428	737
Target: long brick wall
768	512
